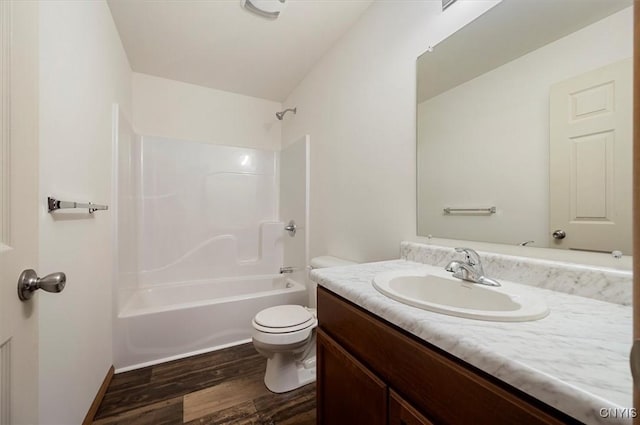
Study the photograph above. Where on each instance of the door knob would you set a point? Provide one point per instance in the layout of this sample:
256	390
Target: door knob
291	228
559	234
29	282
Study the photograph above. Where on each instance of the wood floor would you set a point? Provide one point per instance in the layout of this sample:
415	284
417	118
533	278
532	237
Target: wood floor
223	387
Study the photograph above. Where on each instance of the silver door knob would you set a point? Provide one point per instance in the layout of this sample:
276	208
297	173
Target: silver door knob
559	234
291	228
29	282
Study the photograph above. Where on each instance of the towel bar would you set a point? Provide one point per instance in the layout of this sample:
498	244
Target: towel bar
490	210
56	204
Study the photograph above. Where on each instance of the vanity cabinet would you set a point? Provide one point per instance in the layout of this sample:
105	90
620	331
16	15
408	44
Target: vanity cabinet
357	396
402	413
371	372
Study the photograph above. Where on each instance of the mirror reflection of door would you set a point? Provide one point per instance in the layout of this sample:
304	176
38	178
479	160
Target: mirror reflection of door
483	128
590	159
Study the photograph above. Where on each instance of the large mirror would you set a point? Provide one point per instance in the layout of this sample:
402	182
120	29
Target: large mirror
524	131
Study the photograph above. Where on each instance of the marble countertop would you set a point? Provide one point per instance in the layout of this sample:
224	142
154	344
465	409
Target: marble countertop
575	359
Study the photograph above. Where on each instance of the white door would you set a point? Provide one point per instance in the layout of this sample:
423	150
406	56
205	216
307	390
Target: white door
590	160
18	210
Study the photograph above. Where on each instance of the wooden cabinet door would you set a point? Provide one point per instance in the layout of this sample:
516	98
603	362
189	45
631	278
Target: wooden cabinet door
348	393
402	413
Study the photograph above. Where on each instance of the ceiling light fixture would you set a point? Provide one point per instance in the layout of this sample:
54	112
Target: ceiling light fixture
266	8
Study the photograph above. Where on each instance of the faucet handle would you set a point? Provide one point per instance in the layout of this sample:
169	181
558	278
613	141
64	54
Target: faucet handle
472	257
471	270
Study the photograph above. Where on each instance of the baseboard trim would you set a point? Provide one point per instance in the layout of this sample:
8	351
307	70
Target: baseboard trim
91	414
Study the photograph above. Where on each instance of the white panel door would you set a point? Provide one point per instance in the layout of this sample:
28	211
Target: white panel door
590	160
18	210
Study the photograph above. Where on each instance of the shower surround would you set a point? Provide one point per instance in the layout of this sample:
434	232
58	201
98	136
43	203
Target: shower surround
199	245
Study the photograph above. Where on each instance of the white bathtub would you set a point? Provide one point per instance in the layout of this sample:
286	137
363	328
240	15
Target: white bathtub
172	321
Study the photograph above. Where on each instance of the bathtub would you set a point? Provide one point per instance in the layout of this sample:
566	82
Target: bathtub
171	321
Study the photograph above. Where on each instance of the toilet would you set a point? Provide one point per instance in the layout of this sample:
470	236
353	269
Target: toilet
286	336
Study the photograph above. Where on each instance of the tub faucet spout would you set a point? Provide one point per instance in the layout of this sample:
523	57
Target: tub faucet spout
284	270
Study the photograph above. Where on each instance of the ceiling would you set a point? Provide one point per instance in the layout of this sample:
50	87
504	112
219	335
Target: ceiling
218	44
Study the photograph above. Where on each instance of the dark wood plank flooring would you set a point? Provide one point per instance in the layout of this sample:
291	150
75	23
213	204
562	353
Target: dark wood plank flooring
222	387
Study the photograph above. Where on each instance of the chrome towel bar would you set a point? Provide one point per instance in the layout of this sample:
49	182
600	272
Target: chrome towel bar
56	204
488	211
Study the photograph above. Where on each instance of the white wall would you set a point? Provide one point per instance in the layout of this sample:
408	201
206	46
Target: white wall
83	71
358	105
499	121
177	110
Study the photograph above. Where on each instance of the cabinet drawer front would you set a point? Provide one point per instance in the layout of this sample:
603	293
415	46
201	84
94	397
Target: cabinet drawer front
348	393
445	389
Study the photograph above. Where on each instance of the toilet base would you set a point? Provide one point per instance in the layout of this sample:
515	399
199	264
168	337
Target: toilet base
285	374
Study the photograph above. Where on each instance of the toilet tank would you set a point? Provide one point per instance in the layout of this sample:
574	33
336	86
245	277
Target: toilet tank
322	262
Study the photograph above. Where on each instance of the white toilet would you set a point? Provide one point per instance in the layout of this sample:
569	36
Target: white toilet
286	336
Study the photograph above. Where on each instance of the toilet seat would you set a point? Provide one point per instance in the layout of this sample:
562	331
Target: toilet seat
284	339
283	319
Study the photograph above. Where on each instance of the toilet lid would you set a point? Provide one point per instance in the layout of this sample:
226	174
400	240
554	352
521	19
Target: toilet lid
283	316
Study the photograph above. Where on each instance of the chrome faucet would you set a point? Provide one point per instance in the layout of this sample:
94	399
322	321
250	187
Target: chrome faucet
471	269
284	270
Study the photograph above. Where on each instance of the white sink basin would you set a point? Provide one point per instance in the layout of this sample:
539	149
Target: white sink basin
433	289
